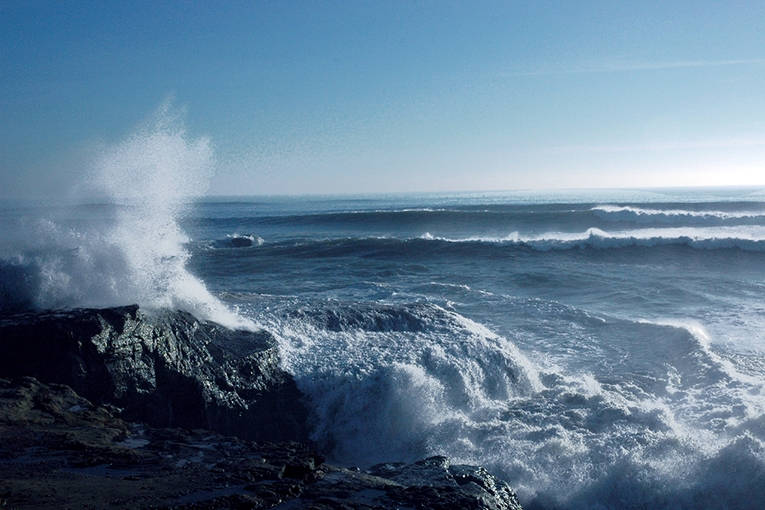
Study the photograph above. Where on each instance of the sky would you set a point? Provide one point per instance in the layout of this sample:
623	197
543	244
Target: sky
391	96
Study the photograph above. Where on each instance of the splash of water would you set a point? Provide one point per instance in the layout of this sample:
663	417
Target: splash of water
140	255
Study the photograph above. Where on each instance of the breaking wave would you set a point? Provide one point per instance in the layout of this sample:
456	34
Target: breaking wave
647	215
710	238
394	381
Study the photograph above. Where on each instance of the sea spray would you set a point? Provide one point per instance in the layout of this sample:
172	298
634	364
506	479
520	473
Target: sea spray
133	249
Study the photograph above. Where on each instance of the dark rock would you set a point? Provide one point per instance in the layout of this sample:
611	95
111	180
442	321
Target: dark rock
456	486
166	369
242	241
58	450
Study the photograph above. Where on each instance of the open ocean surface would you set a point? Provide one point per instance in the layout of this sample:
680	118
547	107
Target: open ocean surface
596	349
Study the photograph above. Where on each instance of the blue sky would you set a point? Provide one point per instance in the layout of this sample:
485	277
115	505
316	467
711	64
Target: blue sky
358	97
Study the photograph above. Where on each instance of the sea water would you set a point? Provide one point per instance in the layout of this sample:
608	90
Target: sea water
595	349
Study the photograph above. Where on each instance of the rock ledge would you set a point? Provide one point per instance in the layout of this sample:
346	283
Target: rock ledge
166	369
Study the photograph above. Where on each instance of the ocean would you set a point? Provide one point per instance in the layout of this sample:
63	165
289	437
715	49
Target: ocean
595	349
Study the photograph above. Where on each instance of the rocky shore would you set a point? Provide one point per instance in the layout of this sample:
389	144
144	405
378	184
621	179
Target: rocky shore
117	408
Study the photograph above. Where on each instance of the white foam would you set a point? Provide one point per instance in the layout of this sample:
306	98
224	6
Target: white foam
567	433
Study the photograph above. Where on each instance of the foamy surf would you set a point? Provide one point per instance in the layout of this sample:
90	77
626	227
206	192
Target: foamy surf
386	381
591	362
397	381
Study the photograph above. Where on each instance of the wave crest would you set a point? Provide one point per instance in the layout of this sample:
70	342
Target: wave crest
646	215
745	238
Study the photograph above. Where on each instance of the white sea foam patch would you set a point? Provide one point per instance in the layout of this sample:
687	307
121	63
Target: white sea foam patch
646	215
720	382
139	254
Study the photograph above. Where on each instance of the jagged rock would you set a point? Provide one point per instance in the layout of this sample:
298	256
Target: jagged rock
455	484
166	369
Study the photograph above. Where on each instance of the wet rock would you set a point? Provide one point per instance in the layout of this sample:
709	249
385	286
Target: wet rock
166	369
242	241
451	486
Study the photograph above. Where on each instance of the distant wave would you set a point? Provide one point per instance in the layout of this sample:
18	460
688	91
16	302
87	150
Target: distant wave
427	246
531	223
644	215
752	239
396	220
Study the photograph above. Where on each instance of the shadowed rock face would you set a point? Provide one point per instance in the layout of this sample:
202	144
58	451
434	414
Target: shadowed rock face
166	369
